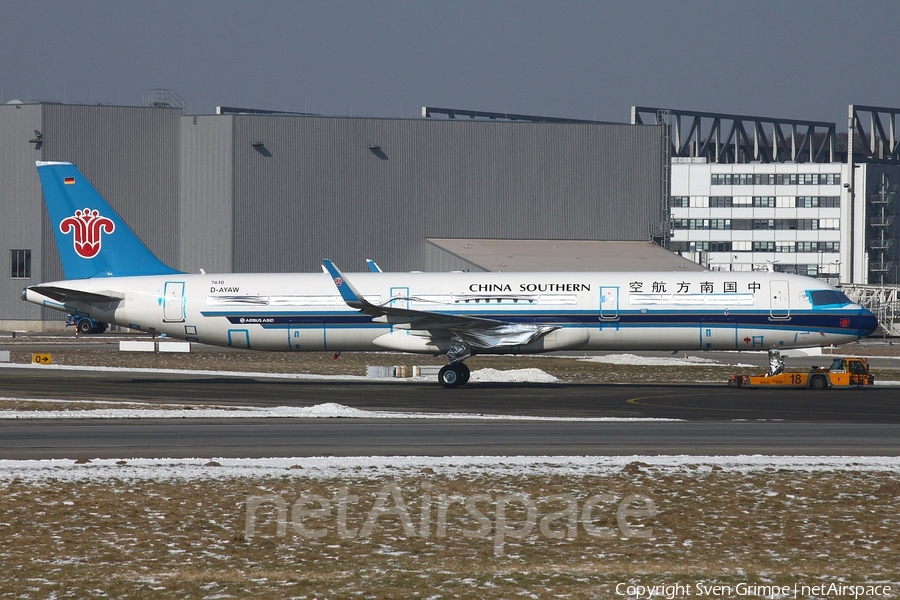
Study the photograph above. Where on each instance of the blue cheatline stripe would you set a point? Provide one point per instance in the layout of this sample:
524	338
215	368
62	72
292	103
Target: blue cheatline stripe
760	319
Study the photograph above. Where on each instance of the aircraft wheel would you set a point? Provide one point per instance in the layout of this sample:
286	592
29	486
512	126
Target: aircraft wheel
99	328
464	372
818	383
85	326
451	376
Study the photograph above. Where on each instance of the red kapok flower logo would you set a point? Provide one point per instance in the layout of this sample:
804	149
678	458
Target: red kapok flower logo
87	226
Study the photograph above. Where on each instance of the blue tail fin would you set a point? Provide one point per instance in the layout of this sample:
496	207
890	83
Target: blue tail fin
93	241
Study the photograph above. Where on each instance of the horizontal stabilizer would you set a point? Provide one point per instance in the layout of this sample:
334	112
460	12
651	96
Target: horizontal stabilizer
64	295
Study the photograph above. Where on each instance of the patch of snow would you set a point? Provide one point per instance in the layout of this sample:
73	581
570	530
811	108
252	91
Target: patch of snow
411	466
512	376
255	375
328	410
659	361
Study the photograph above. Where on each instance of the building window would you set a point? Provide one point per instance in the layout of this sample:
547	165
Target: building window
711	246
780	224
20	261
700	246
700	224
818	202
808	179
809	270
789	247
775	179
818	247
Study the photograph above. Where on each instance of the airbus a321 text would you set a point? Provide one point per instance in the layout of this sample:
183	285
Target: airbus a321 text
112	277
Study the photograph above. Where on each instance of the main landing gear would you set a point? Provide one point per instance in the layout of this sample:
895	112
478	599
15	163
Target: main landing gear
454	375
85	325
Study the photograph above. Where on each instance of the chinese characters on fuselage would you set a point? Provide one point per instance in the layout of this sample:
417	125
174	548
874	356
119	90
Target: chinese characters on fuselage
684	287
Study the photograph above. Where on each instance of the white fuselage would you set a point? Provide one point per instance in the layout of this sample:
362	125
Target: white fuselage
594	311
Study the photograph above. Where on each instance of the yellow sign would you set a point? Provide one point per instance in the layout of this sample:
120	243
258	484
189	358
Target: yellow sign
41	359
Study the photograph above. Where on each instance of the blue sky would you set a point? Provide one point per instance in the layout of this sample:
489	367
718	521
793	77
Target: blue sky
796	59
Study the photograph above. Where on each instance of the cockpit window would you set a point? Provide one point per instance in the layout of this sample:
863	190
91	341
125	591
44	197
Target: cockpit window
828	297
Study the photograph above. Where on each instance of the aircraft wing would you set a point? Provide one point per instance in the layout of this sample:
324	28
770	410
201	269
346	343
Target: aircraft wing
64	295
475	331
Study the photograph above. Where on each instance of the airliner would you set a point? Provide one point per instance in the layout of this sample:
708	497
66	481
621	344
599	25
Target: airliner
112	277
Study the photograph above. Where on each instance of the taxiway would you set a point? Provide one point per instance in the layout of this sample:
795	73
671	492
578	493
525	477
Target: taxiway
708	419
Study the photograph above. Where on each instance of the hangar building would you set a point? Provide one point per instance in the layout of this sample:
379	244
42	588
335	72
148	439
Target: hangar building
253	191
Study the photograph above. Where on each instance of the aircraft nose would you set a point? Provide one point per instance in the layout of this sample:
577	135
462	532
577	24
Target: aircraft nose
867	323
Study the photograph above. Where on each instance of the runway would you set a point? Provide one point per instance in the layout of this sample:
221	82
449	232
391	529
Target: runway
712	419
363	437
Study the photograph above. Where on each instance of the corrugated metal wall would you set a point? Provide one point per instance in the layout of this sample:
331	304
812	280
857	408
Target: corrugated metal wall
21	209
206	225
309	187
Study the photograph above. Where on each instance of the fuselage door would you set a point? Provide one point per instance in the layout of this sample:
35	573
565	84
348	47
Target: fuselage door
609	303
173	302
779	299
239	338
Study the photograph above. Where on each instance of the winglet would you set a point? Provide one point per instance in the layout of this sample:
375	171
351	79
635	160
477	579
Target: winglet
373	266
349	293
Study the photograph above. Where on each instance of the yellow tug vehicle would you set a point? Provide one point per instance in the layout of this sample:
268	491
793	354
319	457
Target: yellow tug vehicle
843	372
